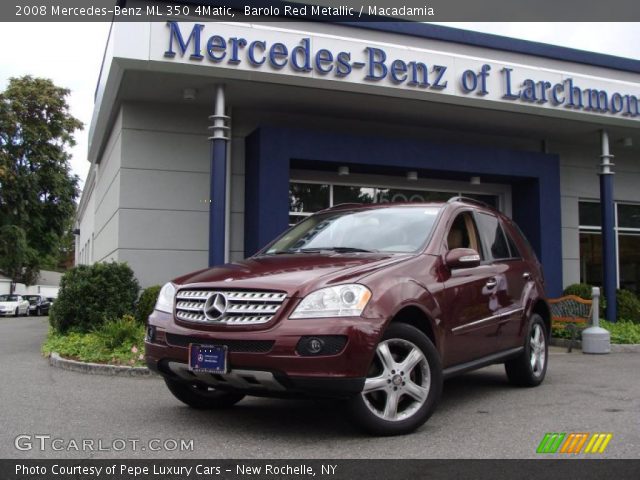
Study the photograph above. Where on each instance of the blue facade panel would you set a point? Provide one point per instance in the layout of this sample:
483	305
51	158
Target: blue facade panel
535	178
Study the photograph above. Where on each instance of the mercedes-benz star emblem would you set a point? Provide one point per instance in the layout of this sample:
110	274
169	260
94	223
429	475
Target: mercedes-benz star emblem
215	306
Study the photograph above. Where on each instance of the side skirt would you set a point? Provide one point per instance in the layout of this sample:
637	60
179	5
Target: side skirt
482	362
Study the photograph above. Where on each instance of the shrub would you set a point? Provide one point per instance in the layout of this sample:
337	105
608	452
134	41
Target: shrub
91	294
146	302
628	306
119	332
116	342
582	290
623	332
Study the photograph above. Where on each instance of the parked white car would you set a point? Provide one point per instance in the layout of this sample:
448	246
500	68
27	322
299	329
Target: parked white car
13	305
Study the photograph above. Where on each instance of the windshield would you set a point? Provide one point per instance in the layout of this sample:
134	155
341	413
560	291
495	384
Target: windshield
8	298
391	229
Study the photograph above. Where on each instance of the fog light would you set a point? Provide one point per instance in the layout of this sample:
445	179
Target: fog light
314	345
321	345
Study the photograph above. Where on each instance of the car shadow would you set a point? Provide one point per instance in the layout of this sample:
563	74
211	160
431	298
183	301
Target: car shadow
286	418
318	419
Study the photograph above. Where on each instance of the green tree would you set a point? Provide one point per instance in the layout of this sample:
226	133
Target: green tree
37	188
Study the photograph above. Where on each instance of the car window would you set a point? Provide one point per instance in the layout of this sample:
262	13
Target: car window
513	248
463	233
492	236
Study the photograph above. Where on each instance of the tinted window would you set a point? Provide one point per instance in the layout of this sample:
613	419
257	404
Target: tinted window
513	248
347	194
589	214
308	197
628	216
492	236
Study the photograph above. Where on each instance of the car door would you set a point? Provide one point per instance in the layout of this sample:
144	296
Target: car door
469	311
511	277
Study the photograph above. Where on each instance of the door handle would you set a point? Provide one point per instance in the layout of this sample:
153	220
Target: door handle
492	282
526	276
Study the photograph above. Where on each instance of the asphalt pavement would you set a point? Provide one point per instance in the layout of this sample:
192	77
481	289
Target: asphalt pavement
480	415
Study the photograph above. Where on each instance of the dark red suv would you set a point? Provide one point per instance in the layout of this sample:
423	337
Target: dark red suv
376	304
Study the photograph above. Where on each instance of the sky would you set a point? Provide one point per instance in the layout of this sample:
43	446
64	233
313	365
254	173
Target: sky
72	56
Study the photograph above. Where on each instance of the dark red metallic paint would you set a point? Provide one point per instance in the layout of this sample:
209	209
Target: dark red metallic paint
449	302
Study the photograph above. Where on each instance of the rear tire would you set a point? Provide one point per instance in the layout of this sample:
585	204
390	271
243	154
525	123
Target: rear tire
530	367
403	385
202	398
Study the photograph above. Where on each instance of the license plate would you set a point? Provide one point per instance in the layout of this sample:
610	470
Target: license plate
208	358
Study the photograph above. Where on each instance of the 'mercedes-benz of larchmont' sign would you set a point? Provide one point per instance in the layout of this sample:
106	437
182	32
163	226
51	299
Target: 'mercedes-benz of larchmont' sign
255	47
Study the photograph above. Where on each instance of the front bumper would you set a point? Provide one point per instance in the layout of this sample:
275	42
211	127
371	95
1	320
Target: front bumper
267	361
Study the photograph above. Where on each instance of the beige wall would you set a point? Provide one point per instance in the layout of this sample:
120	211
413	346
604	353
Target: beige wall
152	185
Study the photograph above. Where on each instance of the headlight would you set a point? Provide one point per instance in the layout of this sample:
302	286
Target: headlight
165	298
340	301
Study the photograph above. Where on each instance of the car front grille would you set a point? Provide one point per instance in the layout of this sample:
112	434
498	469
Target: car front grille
236	346
228	307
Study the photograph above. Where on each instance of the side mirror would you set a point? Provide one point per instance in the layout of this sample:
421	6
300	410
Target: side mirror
462	258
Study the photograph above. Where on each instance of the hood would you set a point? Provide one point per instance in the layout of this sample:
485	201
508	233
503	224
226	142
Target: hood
297	274
9	304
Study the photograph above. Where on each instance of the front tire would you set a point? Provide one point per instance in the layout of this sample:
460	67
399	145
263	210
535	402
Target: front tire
201	397
403	385
530	367
17	312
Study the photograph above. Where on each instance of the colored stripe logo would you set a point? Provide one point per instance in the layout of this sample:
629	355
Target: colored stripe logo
574	443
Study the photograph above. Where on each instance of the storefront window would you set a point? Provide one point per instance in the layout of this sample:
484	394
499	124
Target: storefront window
348	194
629	253
589	214
306	198
591	258
393	195
491	200
629	216
628	245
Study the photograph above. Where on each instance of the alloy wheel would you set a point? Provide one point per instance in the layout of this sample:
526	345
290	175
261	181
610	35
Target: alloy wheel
399	380
538	349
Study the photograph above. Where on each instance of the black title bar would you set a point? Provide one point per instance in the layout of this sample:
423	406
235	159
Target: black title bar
544	468
322	10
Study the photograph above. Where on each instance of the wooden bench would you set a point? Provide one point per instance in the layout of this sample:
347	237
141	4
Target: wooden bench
570	313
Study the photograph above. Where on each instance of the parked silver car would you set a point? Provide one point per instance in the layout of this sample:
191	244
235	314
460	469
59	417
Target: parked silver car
13	305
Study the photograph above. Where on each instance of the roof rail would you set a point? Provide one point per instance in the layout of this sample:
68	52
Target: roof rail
460	198
343	205
339	206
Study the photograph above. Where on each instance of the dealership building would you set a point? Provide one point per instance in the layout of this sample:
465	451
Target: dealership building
208	139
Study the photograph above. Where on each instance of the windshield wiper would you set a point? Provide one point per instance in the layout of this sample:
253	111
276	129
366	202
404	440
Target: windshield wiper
321	249
336	249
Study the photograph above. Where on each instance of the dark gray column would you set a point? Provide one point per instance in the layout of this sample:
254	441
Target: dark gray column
610	268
